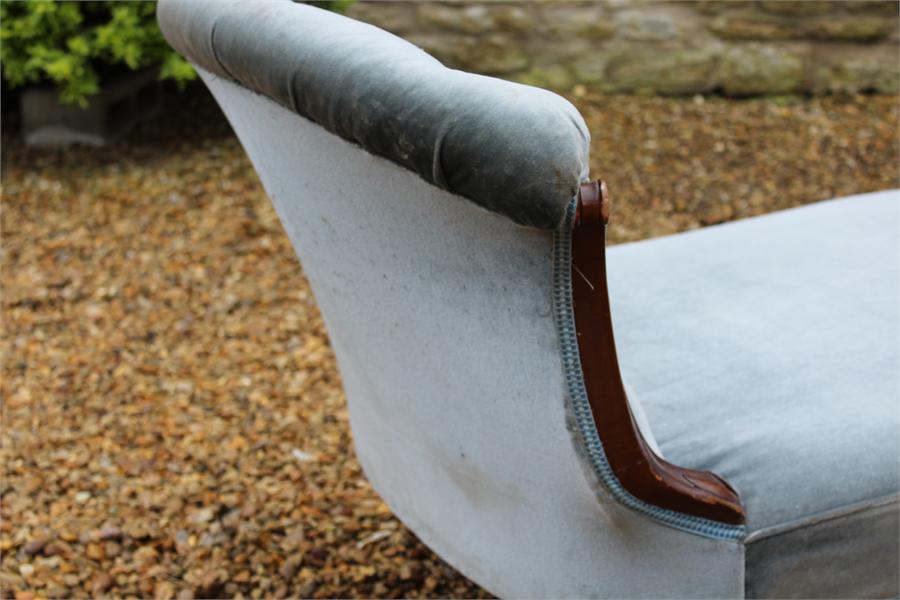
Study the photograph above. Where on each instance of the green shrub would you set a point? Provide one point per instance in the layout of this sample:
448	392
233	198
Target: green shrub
73	43
338	6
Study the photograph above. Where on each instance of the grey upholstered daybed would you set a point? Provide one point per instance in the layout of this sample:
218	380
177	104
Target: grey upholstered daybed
457	255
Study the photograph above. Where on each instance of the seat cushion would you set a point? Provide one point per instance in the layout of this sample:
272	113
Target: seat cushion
766	350
511	148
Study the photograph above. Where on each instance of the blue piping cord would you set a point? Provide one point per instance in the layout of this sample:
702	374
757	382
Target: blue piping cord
578	400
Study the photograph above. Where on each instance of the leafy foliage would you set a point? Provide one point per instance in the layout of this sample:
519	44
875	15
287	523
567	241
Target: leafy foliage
71	43
338	6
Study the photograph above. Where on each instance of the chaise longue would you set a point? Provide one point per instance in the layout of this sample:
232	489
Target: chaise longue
456	246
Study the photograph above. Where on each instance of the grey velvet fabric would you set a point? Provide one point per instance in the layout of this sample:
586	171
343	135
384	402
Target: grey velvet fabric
767	351
441	318
849	554
513	149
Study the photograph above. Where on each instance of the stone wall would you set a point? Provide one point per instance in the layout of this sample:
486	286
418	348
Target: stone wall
736	47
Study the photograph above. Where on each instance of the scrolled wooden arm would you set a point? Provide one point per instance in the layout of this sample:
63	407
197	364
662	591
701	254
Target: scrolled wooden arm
640	471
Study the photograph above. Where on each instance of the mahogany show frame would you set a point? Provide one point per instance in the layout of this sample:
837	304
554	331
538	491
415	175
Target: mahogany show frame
640	471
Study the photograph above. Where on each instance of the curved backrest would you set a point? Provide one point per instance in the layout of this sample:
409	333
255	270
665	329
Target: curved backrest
441	317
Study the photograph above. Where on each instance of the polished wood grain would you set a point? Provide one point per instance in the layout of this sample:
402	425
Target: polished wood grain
643	473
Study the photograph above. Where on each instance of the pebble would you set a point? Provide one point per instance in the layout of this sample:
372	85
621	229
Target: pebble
95	552
34	546
302	456
242	577
109	532
111	549
102	582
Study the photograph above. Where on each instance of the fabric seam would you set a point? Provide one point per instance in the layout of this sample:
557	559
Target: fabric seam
819	518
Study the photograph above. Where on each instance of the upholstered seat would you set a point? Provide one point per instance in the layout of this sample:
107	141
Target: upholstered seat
458	259
767	351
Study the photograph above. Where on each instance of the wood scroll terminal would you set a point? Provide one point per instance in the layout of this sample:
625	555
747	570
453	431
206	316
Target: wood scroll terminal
640	471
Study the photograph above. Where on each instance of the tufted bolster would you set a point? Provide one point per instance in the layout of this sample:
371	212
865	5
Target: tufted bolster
514	149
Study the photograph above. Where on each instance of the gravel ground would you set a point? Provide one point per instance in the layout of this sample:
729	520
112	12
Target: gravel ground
174	424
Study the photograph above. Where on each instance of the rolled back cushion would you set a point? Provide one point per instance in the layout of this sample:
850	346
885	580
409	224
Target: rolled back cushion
513	149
